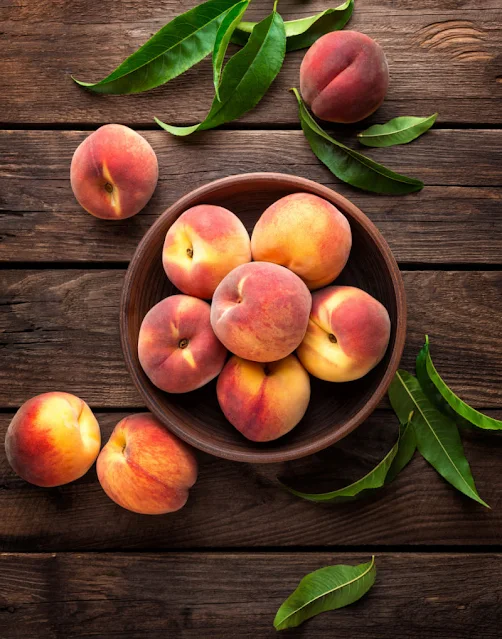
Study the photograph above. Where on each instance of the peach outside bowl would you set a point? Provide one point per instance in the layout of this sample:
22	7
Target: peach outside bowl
335	409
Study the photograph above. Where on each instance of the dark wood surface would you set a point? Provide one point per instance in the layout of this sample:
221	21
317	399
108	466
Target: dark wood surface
222	565
443	57
236	595
449	221
235	505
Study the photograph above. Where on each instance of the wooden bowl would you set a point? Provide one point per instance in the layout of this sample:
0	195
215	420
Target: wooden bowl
335	409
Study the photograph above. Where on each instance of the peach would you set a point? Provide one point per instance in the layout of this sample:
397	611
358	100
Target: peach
307	235
202	246
114	172
260	311
145	468
264	400
344	76
347	336
53	439
177	347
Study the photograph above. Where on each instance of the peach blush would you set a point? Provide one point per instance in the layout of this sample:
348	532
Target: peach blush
53	439
347	335
114	172
264	401
177	347
260	311
145	468
305	233
202	246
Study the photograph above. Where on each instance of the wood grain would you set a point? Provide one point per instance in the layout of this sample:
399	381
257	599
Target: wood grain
442	58
242	505
41	220
60	331
183	595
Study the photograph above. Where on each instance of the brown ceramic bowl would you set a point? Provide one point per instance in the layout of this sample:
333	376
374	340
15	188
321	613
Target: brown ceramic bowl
335	409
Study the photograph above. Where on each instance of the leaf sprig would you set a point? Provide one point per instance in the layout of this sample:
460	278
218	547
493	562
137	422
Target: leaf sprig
246	77
302	33
382	474
178	46
429	412
400	130
325	589
349	165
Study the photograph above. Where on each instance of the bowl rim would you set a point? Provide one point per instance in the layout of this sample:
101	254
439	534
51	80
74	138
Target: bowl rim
295	183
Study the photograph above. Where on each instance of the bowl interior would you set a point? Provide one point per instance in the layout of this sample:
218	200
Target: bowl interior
335	409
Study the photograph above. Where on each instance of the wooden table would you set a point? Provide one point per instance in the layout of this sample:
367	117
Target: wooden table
74	563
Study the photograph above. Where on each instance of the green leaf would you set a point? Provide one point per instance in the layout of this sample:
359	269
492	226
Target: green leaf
405	451
325	589
179	45
371	481
397	131
304	32
350	166
246	77
438	439
445	399
227	27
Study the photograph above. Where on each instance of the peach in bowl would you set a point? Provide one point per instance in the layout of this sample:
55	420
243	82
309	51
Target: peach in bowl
300	427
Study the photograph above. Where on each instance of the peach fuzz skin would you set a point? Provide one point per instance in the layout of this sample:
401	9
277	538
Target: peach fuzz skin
202	246
344	77
145	468
260	311
114	172
347	336
306	234
264	401
53	439
177	347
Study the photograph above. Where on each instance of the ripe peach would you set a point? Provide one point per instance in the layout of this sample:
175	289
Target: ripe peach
114	172
307	235
347	336
177	347
145	468
53	439
260	311
264	401
344	76
202	246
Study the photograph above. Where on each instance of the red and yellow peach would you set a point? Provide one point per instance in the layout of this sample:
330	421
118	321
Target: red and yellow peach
53	439
260	311
306	234
344	77
347	335
202	246
114	172
145	468
177	347
264	400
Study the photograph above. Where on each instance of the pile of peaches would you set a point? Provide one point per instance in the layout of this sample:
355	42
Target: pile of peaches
261	298
262	309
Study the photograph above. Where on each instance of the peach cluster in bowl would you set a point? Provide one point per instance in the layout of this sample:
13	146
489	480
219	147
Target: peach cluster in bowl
270	302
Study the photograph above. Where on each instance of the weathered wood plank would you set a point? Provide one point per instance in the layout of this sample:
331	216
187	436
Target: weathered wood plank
442	58
60	330
141	596
41	220
240	505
